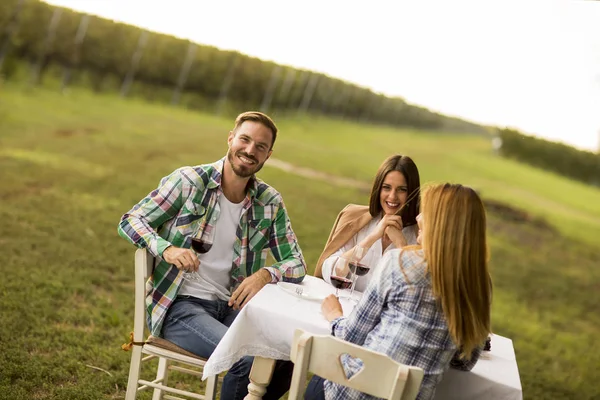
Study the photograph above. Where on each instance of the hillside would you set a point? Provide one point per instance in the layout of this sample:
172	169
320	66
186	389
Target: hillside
72	164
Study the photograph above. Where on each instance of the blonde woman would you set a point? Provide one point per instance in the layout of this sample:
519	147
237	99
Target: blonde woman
376	228
430	305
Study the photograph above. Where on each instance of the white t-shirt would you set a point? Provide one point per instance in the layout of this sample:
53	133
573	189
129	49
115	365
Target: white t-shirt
372	256
215	265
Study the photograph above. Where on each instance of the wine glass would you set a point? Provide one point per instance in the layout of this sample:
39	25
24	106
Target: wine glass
200	245
340	282
337	280
357	267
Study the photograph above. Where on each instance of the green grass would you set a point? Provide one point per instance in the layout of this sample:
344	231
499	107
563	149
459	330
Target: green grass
71	165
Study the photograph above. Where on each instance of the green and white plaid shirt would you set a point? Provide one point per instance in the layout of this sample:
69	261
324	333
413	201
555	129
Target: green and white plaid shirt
184	205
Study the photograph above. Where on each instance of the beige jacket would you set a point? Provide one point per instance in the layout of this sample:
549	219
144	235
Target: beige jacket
349	221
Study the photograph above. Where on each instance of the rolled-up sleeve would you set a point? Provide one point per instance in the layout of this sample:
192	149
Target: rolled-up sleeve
464	363
290	265
139	225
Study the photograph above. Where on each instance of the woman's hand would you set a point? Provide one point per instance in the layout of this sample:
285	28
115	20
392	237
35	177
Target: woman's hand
396	236
331	308
388	221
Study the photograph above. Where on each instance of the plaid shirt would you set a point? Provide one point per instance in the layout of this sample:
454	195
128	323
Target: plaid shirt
184	205
399	316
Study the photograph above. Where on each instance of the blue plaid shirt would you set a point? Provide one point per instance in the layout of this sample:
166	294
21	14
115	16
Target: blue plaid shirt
399	316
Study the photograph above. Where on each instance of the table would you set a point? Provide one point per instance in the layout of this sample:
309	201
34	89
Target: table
495	376
265	329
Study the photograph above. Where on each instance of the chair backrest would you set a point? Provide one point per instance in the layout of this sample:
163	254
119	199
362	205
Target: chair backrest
144	265
380	376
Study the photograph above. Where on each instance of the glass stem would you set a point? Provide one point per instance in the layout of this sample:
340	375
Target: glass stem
352	286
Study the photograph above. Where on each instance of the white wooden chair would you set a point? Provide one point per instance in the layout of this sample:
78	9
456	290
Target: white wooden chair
166	352
381	376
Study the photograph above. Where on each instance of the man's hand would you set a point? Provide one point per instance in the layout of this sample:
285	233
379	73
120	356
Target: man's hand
331	308
248	288
184	259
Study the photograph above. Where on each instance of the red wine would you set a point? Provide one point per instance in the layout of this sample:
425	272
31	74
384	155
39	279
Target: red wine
340	283
200	246
358	268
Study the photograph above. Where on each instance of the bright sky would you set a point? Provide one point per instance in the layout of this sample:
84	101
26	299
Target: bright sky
529	64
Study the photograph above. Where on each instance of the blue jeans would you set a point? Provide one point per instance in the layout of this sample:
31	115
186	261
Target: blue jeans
315	389
198	325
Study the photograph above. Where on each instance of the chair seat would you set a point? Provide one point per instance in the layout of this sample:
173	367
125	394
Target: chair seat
164	348
169	355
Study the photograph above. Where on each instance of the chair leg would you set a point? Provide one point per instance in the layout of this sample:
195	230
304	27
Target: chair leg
134	373
162	376
211	387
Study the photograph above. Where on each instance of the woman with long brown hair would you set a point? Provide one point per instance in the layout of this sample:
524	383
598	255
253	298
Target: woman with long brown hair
388	222
429	306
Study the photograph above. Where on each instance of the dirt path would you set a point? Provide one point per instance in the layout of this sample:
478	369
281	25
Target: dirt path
353	183
312	174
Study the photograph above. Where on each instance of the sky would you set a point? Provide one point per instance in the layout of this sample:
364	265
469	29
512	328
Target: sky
527	64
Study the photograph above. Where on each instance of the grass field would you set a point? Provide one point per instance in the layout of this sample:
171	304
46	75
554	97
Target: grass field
71	165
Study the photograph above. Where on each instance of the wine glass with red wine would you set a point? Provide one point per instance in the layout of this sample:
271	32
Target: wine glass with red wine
340	282
357	267
200	245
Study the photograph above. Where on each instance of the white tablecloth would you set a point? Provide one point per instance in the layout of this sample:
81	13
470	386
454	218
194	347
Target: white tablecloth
495	376
265	327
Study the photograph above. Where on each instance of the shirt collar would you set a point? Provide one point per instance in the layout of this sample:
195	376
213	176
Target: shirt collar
216	179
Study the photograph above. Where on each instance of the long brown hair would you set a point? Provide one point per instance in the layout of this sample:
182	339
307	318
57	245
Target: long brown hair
407	167
455	248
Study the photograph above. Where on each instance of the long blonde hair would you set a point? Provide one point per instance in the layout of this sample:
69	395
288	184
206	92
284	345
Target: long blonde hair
455	248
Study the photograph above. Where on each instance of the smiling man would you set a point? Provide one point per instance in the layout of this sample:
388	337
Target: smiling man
194	297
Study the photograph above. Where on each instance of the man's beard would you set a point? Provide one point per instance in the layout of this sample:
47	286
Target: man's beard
243	171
